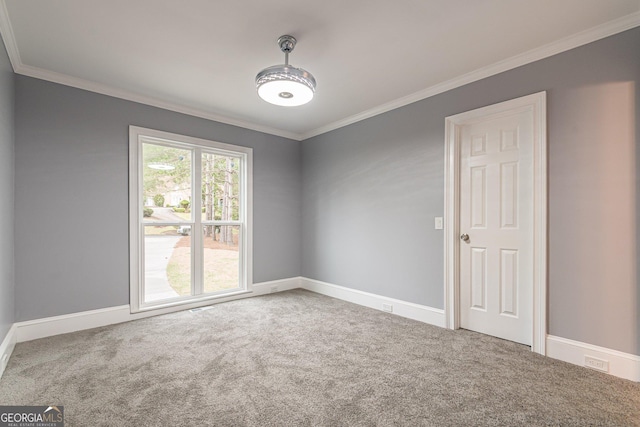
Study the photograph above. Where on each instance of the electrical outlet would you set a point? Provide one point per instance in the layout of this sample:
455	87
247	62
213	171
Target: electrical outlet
387	308
597	364
273	289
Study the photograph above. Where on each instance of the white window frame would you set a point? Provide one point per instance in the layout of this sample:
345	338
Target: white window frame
139	135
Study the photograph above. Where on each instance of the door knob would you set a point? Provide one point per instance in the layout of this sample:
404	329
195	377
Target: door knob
465	237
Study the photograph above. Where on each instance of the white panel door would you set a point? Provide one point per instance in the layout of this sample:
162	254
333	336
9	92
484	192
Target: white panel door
496	224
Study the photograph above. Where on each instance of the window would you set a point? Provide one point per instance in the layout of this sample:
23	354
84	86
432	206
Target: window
190	219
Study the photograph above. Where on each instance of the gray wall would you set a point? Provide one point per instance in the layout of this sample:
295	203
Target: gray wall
7	310
71	196
371	191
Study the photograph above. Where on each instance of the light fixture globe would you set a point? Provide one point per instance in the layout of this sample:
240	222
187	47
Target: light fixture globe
285	85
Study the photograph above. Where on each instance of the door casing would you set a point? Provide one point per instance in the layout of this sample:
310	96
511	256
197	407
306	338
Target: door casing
537	104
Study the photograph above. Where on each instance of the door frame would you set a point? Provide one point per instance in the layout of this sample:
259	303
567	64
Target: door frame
537	104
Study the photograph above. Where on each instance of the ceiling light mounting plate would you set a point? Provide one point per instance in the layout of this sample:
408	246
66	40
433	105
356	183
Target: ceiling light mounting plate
287	43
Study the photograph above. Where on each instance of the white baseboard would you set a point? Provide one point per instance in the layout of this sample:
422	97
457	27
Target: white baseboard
6	348
421	313
277	286
623	365
56	325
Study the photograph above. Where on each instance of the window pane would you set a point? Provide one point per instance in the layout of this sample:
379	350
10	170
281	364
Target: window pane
167	183
220	187
221	258
167	262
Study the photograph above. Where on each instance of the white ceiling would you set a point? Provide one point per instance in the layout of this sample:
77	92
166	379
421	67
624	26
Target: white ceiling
368	56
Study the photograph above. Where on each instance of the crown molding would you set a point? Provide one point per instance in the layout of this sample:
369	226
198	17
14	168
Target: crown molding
576	40
6	30
64	79
587	36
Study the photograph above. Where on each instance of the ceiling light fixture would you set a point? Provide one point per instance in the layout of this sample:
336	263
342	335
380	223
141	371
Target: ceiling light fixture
283	84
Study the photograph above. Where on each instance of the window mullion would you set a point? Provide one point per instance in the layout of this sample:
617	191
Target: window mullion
139	247
196	232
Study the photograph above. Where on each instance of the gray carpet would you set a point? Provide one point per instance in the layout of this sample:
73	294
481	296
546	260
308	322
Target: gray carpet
301	359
